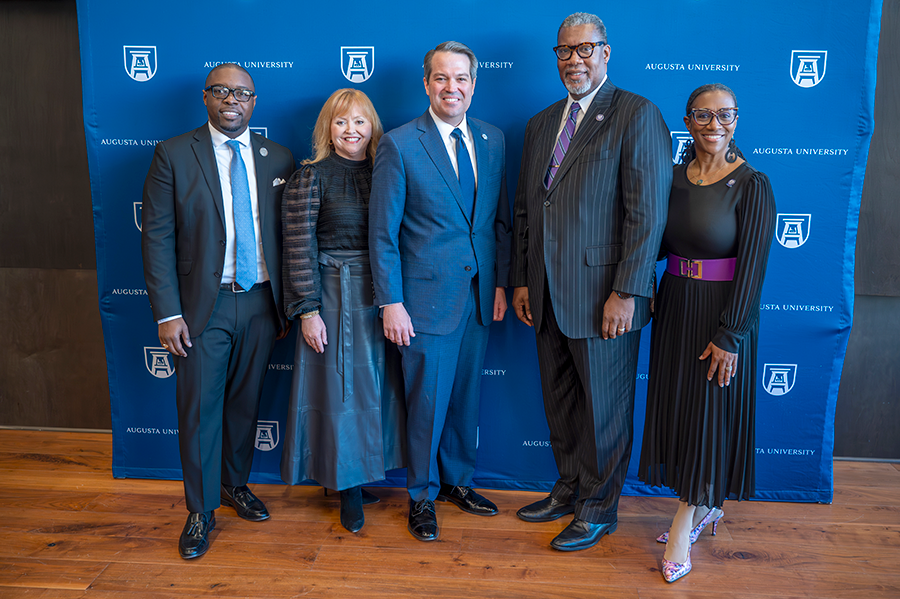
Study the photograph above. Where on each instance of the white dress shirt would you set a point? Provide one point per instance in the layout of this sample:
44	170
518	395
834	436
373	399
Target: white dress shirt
445	129
584	103
223	163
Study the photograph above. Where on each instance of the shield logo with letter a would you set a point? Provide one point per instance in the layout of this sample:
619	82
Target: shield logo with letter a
158	362
808	67
778	379
357	62
140	62
266	435
792	230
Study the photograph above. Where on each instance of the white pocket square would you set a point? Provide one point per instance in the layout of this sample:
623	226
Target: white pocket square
278	181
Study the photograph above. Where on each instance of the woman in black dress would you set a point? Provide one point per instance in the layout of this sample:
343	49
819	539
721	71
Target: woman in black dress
346	420
699	428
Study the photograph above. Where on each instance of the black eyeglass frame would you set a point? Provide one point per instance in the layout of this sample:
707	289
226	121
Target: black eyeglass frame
715	113
230	91
572	49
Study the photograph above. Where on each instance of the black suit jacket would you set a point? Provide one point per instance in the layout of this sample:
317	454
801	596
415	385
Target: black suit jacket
183	224
600	224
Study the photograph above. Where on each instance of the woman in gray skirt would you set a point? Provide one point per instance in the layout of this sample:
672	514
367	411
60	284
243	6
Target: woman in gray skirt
346	420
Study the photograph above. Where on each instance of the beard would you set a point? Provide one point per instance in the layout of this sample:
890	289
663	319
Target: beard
579	89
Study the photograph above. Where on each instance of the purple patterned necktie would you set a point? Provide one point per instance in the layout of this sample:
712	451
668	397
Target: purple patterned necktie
562	144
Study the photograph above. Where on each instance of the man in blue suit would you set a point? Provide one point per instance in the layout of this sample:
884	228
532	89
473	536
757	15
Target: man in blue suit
439	239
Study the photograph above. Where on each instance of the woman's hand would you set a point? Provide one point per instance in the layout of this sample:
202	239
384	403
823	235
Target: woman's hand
314	333
723	361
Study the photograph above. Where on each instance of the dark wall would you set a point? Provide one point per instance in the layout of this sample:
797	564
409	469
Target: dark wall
52	365
867	423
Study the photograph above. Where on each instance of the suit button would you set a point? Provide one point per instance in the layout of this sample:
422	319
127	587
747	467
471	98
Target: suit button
546	203
217	275
222	242
468	268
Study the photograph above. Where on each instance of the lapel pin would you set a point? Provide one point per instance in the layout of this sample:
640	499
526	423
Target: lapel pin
730	183
263	152
599	117
484	136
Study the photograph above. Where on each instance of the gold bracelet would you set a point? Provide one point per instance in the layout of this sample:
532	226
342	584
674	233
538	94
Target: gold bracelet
309	315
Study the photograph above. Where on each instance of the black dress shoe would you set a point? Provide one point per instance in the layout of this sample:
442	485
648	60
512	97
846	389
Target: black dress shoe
245	503
368	498
468	500
545	510
422	520
352	517
582	535
194	540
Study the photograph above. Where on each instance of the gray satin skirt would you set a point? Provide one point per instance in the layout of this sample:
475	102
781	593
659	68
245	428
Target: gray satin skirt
346	422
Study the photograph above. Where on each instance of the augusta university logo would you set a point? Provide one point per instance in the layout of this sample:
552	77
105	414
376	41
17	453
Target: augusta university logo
778	379
792	230
140	62
808	67
357	62
138	213
266	435
680	140
158	362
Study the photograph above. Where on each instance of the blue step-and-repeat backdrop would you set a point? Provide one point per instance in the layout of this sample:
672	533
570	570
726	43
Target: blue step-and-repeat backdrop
804	75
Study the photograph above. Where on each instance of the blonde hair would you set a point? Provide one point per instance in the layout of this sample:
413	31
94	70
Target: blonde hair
337	104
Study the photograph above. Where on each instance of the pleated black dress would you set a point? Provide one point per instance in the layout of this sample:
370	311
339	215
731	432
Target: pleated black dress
346	422
699	437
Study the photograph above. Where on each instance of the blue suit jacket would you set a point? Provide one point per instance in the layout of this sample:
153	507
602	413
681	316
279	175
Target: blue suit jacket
424	248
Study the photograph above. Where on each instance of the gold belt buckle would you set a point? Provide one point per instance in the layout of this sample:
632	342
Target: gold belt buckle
687	269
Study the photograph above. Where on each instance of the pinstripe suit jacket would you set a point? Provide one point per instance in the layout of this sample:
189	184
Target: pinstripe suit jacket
423	247
600	224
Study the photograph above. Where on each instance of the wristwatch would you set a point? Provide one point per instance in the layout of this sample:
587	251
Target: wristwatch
624	295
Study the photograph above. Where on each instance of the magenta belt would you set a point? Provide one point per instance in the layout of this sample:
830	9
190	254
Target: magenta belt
721	269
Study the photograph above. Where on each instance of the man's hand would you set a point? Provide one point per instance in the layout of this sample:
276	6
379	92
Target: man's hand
314	333
521	305
617	315
499	304
174	336
397	325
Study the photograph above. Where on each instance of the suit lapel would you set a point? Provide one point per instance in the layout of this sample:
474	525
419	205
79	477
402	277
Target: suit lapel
206	159
595	120
437	151
260	159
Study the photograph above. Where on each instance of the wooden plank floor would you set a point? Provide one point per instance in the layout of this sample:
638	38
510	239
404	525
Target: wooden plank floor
69	529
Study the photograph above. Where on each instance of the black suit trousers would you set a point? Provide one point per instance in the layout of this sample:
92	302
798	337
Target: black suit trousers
588	387
218	388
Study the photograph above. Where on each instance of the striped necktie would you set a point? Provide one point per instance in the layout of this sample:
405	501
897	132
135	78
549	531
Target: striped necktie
562	144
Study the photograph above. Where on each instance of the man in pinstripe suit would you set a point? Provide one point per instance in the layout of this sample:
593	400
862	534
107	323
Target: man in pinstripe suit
589	214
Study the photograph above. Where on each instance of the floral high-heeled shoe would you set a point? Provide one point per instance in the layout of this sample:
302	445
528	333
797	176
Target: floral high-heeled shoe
695	533
672	571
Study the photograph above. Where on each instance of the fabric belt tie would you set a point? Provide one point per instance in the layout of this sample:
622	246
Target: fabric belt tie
345	332
720	269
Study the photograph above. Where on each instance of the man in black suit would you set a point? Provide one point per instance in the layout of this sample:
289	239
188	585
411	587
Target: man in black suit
211	241
589	215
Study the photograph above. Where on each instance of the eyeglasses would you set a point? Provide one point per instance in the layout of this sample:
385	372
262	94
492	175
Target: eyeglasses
221	92
584	49
703	116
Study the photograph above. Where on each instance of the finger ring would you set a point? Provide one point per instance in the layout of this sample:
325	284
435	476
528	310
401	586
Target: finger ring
165	346
728	368
621	329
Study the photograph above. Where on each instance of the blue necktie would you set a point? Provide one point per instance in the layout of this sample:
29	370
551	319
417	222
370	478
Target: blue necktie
244	232
466	174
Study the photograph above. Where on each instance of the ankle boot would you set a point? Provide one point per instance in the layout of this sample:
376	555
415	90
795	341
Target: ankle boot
352	517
